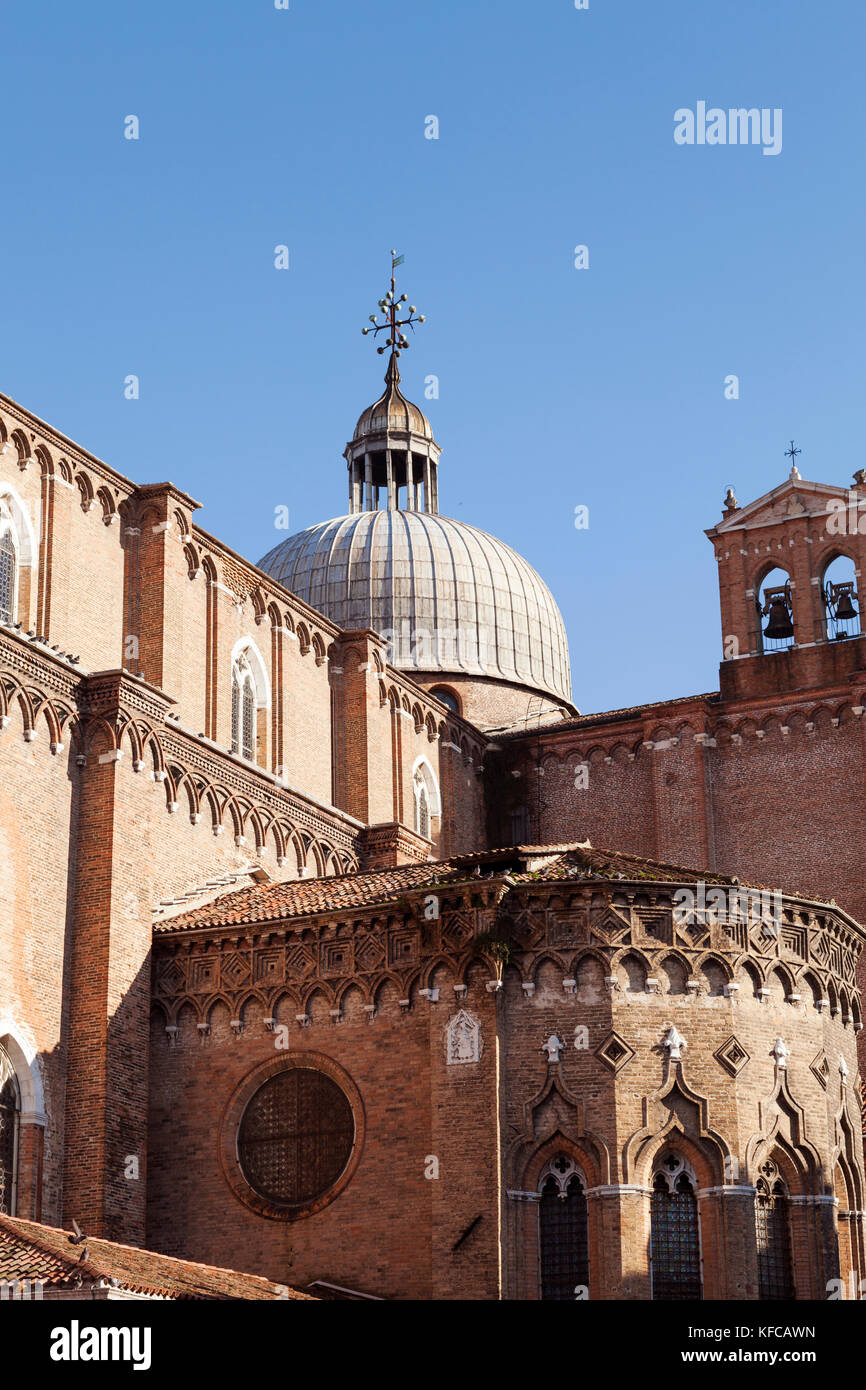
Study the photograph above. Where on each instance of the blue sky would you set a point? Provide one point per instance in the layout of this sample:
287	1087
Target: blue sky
559	387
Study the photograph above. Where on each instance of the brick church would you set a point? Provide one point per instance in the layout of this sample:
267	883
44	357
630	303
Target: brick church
338	948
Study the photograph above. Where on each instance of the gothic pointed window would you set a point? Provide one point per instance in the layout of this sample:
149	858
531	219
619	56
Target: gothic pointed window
243	708
9	1108
675	1248
248	720
426	796
8	574
563	1231
520	831
773	1235
423	815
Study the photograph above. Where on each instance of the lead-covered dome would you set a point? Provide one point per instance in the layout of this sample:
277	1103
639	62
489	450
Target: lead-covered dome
447	596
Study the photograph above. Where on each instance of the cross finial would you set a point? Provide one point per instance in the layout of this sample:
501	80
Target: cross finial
390	309
791	453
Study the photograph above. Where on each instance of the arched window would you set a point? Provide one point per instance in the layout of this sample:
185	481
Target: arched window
243	708
520	831
8	572
847	1186
422	812
9	1109
563	1235
675	1248
447	696
426	796
775	1272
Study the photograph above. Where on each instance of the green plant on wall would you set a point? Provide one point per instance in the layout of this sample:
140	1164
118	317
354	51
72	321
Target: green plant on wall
495	948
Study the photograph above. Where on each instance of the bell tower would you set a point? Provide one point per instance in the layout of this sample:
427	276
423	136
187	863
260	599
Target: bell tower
392	458
790	566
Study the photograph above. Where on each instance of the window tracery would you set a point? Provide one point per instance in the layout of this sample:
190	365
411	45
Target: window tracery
675	1250
243	708
563	1230
773	1235
8	569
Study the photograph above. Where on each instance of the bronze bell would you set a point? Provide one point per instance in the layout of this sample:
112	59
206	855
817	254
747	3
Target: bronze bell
779	626
845	609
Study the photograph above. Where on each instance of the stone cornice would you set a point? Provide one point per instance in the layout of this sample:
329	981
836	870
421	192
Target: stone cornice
109	692
36	664
227	770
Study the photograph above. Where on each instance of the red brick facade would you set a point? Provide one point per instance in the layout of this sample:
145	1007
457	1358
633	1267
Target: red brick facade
121	798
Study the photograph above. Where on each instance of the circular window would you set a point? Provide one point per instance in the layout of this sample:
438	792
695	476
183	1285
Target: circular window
292	1136
296	1137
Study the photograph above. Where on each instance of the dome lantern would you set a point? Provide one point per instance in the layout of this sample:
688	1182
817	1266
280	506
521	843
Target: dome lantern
451	602
392	457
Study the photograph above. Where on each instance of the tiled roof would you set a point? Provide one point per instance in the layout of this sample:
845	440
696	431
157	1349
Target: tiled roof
275	902
588	721
29	1250
304	897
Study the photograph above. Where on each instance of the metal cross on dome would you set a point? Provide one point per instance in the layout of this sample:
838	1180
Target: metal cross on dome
390	308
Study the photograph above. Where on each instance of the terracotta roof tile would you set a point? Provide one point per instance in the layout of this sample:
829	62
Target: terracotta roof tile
305	897
29	1250
274	902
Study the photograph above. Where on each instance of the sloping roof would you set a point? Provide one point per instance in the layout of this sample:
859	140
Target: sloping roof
275	902
29	1250
607	716
304	897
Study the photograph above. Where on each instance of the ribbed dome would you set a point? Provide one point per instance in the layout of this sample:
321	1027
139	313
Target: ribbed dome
456	598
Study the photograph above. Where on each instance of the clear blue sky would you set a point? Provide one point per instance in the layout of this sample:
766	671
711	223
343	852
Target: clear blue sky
559	387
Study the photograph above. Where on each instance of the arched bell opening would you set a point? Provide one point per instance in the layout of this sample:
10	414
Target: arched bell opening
774	605
841	600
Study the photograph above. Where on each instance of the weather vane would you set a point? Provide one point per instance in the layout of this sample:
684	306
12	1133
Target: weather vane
390	308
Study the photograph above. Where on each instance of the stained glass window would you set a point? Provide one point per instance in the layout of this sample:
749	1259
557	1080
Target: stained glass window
564	1246
423	826
249	719
675	1247
243	709
236	713
8	1134
425	794
775	1271
7	577
296	1137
